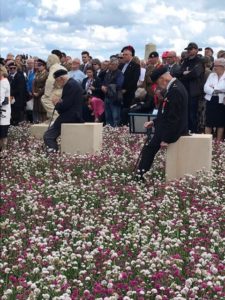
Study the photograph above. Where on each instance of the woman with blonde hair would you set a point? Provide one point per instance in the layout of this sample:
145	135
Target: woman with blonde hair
214	89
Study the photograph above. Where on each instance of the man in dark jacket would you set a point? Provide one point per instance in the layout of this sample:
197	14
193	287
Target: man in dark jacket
18	93
192	76
131	72
171	121
69	107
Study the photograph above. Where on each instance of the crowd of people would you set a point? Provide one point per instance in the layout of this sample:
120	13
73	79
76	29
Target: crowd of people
112	88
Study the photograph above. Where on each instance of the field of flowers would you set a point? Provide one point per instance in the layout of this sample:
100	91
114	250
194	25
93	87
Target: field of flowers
81	228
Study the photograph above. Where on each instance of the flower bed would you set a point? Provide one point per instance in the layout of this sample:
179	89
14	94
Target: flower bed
80	228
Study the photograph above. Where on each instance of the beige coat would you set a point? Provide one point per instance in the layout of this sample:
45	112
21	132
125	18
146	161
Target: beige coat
51	89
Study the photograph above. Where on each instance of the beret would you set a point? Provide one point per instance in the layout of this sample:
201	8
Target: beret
130	48
41	61
153	54
158	73
59	73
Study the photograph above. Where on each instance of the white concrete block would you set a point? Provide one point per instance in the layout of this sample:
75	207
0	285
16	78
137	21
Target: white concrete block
188	155
38	130
81	138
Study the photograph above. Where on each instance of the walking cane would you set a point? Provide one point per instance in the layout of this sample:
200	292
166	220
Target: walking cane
148	139
51	118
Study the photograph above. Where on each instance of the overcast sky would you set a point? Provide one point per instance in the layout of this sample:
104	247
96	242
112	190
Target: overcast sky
103	27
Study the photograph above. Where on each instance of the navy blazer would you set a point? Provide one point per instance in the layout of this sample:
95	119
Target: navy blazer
172	119
70	108
131	76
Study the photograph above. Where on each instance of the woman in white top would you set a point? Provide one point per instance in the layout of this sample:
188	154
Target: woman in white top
5	107
214	89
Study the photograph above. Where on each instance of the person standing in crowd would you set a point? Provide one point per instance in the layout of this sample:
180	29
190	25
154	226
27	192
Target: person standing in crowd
214	89
171	62
30	73
91	86
202	102
5	109
131	72
192	76
39	113
85	56
75	72
51	88
112	87
153	63
171	121
69	107
18	94
209	53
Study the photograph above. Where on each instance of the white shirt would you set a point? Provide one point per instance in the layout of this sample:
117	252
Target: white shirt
5	92
214	83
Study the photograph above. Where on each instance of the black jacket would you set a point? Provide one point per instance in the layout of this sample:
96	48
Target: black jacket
172	119
131	76
96	84
70	108
18	89
193	81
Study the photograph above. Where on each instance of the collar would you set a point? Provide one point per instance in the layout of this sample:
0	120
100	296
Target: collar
170	83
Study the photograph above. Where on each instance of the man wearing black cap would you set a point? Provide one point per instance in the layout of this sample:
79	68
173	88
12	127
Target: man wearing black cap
192	76
171	121
69	107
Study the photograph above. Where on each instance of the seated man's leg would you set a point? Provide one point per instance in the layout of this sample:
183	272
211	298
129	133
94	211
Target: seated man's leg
51	136
148	154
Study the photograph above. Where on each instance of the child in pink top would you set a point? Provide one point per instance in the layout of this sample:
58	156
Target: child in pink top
96	105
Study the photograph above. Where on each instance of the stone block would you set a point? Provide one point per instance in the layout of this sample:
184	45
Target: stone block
38	130
188	155
81	138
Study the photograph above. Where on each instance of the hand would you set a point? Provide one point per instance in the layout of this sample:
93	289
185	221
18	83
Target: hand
35	94
149	124
163	144
55	100
92	88
124	91
104	89
186	72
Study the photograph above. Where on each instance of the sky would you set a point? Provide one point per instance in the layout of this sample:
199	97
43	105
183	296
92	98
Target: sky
104	27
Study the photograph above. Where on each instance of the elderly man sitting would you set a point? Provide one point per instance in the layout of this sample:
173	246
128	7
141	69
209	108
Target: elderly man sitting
69	107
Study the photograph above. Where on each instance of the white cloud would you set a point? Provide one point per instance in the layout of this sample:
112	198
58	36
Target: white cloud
217	40
95	5
61	8
103	27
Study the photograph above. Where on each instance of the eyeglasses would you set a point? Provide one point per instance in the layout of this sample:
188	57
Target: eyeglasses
12	68
39	65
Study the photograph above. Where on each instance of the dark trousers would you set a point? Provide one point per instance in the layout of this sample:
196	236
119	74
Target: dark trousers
17	115
193	103
51	135
148	153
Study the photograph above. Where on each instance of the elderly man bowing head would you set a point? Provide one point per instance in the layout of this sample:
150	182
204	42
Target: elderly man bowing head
171	121
69	107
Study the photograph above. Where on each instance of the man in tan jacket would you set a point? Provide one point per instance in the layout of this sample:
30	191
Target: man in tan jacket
52	90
